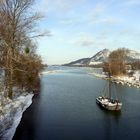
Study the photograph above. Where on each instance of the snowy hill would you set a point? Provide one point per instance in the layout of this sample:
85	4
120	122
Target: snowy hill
133	56
101	57
97	59
80	62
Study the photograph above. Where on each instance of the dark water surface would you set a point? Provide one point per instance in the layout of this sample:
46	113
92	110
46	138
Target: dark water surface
66	110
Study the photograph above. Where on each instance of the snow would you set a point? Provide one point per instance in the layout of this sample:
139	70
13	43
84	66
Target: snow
101	56
95	63
49	72
135	78
78	64
11	114
137	75
133	54
124	80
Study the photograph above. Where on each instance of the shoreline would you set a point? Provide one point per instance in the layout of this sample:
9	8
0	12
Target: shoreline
123	80
11	114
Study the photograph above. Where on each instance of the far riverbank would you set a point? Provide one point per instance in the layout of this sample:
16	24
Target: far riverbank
123	80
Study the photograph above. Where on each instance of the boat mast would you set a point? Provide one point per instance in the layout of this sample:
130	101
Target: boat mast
109	85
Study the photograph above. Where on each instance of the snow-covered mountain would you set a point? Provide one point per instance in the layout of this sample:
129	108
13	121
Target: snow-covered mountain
133	56
97	59
101	57
80	62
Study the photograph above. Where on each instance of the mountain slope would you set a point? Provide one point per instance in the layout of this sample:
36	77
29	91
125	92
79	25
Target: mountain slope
133	56
80	62
101	57
97	59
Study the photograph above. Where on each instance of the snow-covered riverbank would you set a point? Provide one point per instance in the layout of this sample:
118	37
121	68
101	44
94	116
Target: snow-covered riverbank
124	80
11	113
50	72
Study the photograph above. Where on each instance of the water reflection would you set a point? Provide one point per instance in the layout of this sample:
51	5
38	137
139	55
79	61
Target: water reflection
116	115
110	123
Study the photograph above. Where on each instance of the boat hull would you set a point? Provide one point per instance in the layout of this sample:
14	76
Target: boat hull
108	105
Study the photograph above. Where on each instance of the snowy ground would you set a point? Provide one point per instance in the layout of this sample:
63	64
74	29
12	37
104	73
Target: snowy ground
124	80
49	72
11	113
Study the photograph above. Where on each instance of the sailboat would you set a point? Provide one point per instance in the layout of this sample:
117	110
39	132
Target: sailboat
107	102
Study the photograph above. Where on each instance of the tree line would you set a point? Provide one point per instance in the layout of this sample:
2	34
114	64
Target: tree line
18	56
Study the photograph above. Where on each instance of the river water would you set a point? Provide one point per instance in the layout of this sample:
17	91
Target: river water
66	109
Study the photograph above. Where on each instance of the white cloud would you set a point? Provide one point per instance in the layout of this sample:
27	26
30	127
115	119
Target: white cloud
130	33
84	39
129	3
70	21
49	33
63	5
41	6
95	16
86	42
125	32
98	10
99	15
101	40
108	20
103	35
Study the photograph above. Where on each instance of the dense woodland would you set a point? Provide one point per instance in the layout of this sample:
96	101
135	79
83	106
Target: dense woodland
18	58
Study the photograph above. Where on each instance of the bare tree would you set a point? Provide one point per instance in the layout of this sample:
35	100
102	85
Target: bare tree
17	27
117	62
135	65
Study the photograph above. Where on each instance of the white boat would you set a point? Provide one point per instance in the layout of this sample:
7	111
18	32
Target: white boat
107	102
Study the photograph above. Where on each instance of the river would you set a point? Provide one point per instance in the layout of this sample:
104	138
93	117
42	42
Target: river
66	109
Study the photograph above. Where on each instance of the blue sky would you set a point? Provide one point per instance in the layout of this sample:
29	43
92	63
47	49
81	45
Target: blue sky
80	28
